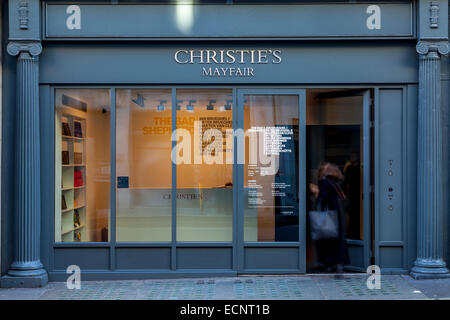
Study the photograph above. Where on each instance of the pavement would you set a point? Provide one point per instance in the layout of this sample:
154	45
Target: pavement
302	287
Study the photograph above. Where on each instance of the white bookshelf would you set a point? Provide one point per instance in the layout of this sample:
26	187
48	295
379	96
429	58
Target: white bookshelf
66	230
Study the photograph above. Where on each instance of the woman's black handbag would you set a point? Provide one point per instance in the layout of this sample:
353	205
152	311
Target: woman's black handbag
324	224
343	204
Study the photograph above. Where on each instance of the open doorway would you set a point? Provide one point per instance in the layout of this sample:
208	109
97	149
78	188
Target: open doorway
338	176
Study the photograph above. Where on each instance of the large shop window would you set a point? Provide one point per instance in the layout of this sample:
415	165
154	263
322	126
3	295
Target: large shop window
271	173
200	151
143	164
204	165
82	165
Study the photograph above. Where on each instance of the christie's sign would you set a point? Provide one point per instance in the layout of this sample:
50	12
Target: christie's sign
222	63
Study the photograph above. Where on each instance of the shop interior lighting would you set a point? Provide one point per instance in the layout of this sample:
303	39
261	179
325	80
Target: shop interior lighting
228	105
210	105
161	105
190	106
139	100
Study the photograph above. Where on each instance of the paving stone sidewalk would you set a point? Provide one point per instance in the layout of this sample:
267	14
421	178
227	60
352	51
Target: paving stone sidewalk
309	287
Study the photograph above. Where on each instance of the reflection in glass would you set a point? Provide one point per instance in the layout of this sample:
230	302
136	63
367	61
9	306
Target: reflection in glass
82	165
205	169
271	170
143	164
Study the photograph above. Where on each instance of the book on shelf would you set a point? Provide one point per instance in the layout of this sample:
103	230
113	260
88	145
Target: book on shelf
77	236
77	158
76	219
77	129
77	178
63	203
66	129
65	157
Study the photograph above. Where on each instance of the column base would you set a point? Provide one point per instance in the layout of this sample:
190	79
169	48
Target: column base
438	271
29	274
24	282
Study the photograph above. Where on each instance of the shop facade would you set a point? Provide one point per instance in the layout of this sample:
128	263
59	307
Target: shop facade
149	140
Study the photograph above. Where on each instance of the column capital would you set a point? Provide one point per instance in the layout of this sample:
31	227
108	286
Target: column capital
442	47
34	48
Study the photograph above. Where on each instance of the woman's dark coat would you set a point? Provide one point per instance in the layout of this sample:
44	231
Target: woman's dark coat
332	252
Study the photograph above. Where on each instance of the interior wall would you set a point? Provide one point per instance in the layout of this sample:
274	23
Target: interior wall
205	175
99	168
146	145
329	111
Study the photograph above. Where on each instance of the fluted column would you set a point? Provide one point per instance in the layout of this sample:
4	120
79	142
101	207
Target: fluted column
26	269
430	237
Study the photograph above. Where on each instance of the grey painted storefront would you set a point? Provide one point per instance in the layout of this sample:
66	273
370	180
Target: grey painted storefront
329	45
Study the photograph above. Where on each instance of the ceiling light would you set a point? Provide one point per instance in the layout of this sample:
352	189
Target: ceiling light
210	105
178	104
161	105
139	100
228	105
190	106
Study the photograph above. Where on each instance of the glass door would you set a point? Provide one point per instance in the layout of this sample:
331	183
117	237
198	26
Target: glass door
270	160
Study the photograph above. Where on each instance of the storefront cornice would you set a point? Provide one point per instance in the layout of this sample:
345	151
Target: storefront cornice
171	22
228	39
